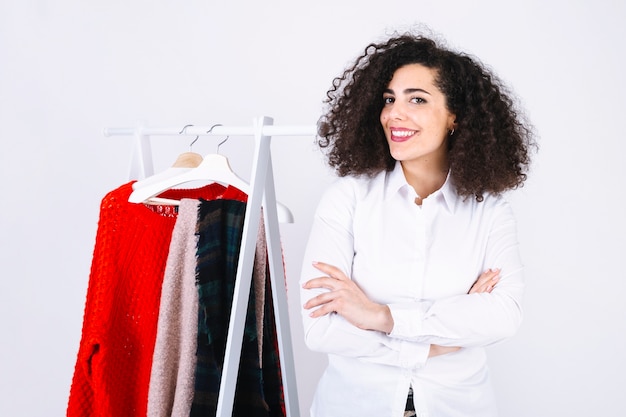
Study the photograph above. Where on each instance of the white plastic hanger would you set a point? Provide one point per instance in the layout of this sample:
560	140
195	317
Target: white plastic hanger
179	167
214	167
185	162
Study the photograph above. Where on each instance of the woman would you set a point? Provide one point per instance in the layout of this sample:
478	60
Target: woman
412	266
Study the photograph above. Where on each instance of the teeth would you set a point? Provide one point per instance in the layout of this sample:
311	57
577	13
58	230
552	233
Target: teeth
404	133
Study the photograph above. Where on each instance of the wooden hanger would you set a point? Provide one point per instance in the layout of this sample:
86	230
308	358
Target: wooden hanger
187	160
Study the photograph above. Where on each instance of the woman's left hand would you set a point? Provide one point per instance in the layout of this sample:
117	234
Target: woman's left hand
486	281
346	299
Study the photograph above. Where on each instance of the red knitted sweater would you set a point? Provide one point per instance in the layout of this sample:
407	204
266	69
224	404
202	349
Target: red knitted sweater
112	371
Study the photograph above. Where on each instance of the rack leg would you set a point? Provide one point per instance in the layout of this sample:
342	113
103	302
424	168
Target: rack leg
234	341
279	296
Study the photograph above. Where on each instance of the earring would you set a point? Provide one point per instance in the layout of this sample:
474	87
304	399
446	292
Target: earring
452	132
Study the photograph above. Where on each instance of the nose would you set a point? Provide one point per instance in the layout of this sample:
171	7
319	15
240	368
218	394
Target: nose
396	111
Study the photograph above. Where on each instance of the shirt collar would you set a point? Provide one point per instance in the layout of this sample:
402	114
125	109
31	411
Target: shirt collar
396	184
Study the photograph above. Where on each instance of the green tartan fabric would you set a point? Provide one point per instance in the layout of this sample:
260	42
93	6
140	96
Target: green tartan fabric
259	390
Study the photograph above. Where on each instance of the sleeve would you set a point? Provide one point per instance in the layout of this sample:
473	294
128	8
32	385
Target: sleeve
84	396
331	241
472	319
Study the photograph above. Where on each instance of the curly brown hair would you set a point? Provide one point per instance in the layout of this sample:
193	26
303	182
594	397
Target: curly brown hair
489	151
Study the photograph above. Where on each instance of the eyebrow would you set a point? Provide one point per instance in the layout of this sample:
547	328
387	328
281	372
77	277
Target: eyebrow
409	91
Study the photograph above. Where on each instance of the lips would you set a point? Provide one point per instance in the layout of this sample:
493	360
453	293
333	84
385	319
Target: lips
401	135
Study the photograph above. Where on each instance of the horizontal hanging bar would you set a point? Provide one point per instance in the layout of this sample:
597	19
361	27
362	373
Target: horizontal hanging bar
218	130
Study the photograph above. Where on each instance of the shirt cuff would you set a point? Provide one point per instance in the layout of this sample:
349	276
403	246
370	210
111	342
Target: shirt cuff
408	319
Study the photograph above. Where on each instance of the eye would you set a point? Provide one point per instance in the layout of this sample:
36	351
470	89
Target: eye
418	100
388	99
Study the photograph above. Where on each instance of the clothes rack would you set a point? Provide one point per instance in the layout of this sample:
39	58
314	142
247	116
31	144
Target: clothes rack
141	162
262	194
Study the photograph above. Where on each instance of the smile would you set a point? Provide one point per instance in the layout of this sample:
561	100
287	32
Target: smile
401	135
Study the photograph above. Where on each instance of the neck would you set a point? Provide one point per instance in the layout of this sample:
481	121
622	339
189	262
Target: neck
425	178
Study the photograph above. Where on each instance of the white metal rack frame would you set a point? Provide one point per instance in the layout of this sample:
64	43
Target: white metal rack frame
262	194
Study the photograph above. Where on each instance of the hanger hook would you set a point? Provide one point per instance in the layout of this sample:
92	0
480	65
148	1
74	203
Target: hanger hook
194	141
222	142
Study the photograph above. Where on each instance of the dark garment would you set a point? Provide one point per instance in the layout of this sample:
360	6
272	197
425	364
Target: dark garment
259	389
410	406
272	376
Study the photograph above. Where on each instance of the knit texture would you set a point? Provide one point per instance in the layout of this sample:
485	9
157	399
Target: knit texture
172	377
114	359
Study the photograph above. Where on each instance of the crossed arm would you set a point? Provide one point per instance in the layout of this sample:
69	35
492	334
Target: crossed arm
345	298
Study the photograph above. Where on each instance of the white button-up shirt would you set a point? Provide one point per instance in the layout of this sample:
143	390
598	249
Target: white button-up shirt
421	262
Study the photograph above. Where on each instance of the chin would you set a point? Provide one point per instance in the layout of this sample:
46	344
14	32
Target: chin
398	156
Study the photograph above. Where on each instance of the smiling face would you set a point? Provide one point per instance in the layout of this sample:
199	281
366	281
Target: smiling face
415	118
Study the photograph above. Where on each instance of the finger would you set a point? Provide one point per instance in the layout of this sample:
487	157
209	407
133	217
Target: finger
322	311
481	289
320	282
488	277
489	274
489	285
331	270
320	306
486	282
318	300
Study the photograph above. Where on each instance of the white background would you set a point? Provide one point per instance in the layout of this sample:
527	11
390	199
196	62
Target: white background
70	68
